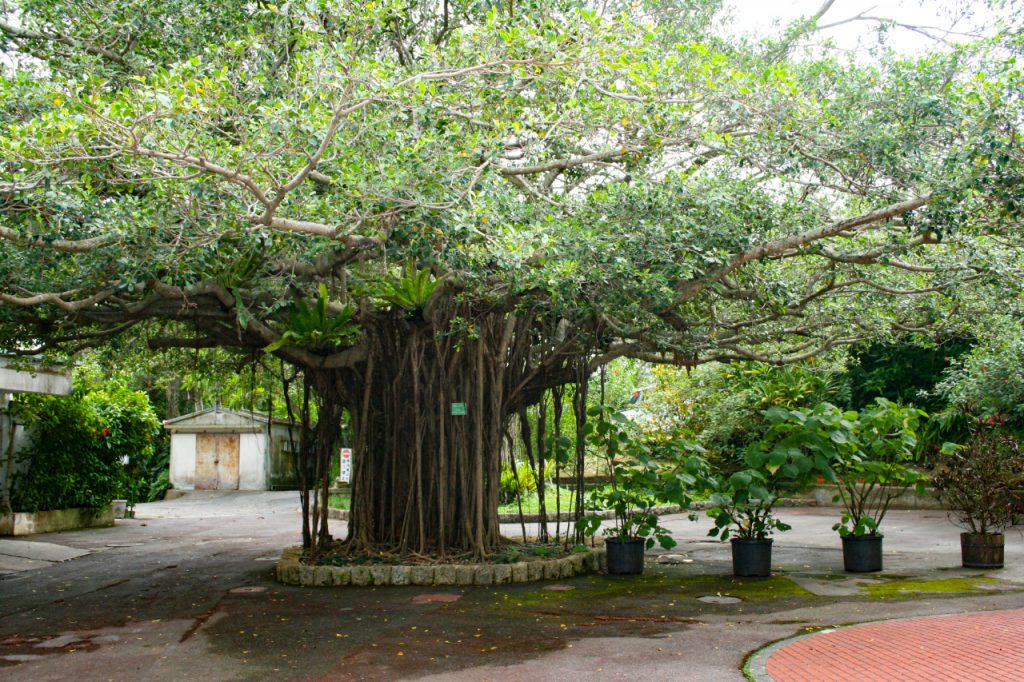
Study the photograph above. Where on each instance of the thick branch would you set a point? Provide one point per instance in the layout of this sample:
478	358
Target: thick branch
66	245
689	289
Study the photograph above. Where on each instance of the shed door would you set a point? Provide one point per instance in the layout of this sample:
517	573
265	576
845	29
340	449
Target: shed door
216	461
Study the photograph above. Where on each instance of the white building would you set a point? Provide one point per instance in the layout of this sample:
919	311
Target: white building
218	449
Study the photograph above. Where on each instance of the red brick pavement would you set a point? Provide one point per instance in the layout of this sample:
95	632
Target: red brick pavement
988	647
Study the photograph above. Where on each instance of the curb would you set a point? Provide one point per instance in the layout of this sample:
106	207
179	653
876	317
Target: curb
755	666
291	571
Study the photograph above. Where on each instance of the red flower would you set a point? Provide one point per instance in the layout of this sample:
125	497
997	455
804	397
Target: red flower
105	432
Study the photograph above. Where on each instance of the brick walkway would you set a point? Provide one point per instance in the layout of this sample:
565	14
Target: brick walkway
986	647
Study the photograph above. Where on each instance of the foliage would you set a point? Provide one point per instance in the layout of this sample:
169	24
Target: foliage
988	381
980	481
88	448
743	502
723	406
526	482
316	327
903	372
868	454
411	291
644	474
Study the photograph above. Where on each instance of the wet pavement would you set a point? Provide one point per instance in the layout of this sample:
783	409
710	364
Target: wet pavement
186	591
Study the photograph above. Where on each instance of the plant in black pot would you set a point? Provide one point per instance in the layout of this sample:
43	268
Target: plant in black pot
870	457
977	482
643	475
743	502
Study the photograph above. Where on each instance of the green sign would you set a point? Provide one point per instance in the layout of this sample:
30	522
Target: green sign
459	409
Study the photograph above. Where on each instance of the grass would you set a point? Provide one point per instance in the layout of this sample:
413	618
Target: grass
339	501
531	502
909	588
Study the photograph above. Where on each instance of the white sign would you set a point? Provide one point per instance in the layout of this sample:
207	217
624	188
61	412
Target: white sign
345	475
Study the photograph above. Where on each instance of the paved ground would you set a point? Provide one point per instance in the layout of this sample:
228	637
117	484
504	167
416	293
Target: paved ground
938	649
25	555
185	591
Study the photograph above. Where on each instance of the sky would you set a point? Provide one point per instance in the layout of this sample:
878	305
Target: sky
766	17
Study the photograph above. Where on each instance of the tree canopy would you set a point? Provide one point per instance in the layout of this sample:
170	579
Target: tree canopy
422	203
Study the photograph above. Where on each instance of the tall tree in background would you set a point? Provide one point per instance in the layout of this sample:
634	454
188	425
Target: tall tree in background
442	208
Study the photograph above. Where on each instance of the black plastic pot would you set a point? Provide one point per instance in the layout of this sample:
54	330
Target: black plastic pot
752	558
625	557
862	554
982	551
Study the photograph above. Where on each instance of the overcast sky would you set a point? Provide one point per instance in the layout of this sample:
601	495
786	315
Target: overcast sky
764	17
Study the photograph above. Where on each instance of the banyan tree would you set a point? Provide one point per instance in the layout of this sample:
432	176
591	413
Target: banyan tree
437	212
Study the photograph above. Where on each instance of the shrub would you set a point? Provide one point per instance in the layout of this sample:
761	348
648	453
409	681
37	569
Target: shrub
977	481
85	449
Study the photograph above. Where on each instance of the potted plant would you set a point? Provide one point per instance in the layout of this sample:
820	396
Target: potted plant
743	502
643	474
869	456
977	483
872	469
743	510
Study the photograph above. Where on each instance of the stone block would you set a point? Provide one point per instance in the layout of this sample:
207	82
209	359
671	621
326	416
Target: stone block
565	568
401	575
552	569
444	575
483	574
380	575
422	575
361	576
520	572
577	561
342	575
306	574
590	561
502	573
465	574
535	570
322	576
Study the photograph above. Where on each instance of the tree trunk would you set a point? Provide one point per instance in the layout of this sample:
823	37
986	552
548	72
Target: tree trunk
427	439
429	413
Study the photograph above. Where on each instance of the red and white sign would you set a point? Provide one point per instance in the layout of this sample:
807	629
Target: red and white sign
345	474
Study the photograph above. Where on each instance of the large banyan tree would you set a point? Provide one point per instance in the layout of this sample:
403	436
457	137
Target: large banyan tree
438	211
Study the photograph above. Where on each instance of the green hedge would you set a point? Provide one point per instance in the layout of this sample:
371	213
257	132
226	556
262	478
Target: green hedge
77	448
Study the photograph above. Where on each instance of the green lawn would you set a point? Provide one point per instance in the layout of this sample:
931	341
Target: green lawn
531	502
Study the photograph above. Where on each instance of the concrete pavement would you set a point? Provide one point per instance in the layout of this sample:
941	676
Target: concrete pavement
23	555
185	591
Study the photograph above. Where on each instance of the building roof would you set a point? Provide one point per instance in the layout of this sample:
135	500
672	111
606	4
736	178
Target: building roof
220	419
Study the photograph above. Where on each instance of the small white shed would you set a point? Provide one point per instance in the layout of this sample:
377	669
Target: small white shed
218	449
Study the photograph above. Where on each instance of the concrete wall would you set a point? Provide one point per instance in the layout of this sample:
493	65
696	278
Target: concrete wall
822	496
183	461
30	523
252	461
37	380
